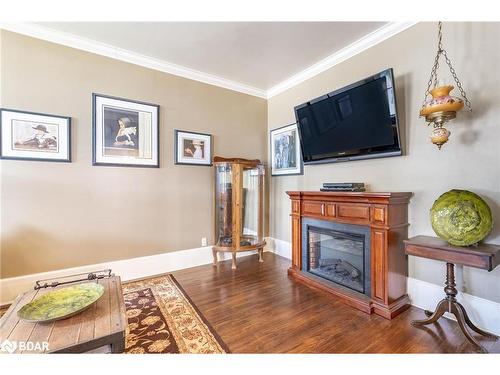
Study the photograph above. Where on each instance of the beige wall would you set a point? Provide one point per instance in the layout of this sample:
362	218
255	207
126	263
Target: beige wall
58	215
471	160
61	215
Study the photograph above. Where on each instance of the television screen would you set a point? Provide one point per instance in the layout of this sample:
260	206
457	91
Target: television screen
358	121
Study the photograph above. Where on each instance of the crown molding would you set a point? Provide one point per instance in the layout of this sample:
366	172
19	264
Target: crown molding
383	33
89	45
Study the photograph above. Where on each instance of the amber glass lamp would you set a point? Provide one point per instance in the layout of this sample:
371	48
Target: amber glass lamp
441	107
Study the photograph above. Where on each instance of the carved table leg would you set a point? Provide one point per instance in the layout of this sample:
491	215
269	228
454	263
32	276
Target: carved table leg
233	265
450	304
214	253
261	251
472	326
455	310
441	308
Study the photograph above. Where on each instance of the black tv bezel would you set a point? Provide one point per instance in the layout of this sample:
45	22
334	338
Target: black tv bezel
358	154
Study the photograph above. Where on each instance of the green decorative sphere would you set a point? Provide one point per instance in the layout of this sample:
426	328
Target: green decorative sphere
461	217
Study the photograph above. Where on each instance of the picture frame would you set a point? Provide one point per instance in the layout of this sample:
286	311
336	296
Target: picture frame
34	136
286	156
125	133
191	148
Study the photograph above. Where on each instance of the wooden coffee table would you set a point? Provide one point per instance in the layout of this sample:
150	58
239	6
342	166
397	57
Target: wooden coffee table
99	328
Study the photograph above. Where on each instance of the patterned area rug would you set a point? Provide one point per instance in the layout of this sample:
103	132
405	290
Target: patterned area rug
3	310
162	319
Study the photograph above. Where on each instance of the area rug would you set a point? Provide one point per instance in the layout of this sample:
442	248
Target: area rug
162	319
3	310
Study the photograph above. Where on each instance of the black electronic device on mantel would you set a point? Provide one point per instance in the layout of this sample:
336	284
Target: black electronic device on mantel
343	186
358	121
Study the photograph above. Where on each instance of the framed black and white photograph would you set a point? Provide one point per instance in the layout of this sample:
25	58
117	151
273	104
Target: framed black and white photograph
125	132
192	148
286	158
34	136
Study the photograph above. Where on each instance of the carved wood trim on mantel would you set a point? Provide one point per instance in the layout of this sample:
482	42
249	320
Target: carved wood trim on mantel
387	216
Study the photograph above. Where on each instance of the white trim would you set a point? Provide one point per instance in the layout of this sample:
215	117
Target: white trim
279	247
41	32
385	32
89	45
127	269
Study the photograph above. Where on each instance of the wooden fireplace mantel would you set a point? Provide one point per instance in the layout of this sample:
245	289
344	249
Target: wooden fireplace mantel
386	214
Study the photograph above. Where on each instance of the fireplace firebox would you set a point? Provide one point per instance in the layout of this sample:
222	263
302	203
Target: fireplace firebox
338	253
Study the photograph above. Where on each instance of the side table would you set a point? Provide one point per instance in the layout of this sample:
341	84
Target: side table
484	256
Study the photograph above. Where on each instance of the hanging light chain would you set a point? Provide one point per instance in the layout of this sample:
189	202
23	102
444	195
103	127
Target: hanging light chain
457	81
440	36
433	78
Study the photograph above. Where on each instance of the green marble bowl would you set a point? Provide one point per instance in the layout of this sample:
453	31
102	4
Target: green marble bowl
61	303
461	217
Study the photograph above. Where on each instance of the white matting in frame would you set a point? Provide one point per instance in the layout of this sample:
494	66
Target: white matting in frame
35	136
286	156
125	132
192	148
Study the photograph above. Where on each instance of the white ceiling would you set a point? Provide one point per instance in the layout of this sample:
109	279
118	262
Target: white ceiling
257	58
257	54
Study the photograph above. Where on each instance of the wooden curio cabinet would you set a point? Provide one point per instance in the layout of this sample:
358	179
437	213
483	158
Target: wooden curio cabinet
239	207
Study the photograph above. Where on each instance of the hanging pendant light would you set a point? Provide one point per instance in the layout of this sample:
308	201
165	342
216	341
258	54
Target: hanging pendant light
441	107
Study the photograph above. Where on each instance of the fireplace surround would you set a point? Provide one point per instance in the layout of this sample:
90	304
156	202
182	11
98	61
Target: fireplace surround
350	244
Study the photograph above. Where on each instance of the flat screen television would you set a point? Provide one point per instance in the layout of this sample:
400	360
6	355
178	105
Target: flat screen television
358	121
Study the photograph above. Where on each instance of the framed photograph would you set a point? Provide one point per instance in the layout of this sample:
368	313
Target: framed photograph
192	148
125	133
34	136
286	157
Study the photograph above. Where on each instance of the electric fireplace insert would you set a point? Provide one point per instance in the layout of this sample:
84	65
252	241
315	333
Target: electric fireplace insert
338	253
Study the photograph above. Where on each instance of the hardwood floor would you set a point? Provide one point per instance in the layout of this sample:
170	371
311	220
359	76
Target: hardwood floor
258	309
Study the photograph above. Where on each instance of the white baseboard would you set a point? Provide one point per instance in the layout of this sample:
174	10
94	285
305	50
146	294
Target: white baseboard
127	269
279	247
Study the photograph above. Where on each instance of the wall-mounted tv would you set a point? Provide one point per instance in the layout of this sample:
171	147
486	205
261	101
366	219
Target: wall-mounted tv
358	121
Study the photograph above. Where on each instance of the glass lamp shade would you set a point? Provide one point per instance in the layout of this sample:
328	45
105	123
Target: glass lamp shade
441	101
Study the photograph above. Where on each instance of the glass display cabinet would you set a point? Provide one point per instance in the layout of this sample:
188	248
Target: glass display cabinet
239	207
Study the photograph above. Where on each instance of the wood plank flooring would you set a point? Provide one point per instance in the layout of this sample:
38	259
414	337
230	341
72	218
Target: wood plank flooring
258	309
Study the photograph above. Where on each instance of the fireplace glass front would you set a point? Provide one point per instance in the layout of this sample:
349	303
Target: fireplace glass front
337	256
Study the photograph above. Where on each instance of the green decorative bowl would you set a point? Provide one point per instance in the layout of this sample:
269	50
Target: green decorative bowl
61	303
461	217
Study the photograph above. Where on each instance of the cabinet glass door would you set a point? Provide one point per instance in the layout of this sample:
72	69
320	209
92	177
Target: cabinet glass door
252	194
223	206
